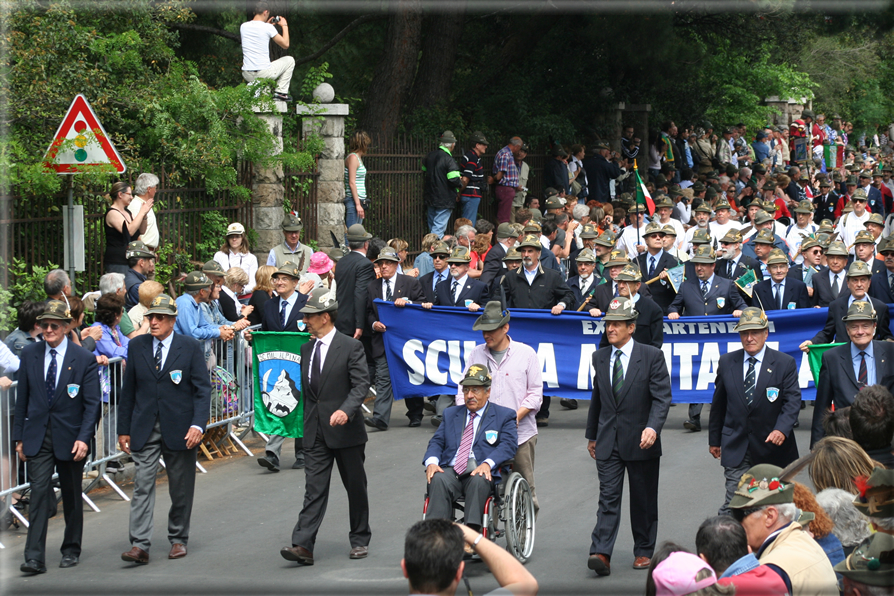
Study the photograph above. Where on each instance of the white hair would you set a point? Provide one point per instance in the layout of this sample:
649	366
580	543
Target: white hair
724	179
885	523
448	145
787	511
580	211
850	526
465	231
111	282
144	182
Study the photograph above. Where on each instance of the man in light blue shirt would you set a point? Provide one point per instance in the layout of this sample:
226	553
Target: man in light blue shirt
190	321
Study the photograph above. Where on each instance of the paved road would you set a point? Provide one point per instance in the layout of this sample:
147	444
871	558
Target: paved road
244	515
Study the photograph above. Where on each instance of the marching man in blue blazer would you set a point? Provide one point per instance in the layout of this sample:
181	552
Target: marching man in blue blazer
163	410
57	406
466	452
755	407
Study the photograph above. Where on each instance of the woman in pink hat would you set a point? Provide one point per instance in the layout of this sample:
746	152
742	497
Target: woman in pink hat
322	265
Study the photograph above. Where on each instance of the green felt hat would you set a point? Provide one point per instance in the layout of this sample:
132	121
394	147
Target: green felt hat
761	486
494	317
621	309
752	318
871	563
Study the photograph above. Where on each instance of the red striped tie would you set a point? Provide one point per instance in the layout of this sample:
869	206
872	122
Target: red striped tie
465	446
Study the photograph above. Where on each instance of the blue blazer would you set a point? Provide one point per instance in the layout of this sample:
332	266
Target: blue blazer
270	320
177	401
740	429
445	442
472	290
72	417
689	301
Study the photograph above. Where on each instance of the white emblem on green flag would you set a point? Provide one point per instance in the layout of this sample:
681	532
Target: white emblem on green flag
279	409
747	281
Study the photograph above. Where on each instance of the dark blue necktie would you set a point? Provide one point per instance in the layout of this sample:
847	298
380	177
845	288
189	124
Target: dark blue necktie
51	377
438	280
282	314
652	267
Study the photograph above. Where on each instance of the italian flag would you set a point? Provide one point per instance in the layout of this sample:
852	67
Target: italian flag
833	155
642	194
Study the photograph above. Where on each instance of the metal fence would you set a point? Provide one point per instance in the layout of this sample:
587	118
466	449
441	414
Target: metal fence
231	409
33	232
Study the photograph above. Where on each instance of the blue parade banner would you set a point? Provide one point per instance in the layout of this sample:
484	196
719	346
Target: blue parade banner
426	348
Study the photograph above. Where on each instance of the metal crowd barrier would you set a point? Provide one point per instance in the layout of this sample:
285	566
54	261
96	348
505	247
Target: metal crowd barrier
232	407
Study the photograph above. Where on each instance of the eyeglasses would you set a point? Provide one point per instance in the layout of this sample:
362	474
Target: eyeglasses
155	316
476	389
53	326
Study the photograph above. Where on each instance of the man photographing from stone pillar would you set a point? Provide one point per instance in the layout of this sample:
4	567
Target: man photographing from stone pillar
256	35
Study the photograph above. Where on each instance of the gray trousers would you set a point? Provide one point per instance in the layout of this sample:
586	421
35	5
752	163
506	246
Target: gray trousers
524	465
732	476
384	395
695	411
274	447
444	402
40	471
446	487
181	470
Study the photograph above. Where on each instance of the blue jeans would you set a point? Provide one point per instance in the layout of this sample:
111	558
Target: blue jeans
351	213
438	220
470	207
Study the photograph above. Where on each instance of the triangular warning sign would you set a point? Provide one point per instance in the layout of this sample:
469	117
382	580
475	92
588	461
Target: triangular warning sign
87	142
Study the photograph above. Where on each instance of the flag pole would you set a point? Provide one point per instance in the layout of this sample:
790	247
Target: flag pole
636	203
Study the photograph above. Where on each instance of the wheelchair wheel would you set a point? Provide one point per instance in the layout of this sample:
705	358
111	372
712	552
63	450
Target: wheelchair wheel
519	505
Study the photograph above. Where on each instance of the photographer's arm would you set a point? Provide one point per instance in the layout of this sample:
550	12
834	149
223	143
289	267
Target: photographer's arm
508	572
282	40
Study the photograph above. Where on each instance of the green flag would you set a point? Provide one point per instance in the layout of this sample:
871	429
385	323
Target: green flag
747	281
815	358
279	409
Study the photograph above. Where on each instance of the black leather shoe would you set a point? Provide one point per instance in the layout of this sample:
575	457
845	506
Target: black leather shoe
33	566
436	420
68	561
429	406
415	422
693	425
299	554
268	463
299	462
373	423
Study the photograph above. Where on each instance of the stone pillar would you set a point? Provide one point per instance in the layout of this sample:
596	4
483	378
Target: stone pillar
327	120
267	192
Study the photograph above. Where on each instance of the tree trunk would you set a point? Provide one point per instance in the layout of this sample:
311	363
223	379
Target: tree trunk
394	74
440	42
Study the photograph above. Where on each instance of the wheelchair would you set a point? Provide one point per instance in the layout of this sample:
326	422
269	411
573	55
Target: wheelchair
508	511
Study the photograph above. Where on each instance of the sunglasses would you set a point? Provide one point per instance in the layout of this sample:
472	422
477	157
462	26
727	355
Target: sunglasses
155	316
740	514
859	200
53	326
438	257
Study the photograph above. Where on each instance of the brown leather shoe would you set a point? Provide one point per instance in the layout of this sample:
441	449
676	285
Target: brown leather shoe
299	554
600	564
359	552
178	551
642	563
136	555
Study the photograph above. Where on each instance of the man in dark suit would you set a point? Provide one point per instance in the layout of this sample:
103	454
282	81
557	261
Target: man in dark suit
512	261
875	202
655	261
755	406
402	290
58	402
430	280
826	202
604	292
780	292
283	313
460	288
335	381
732	264
650	322
493	262
708	294
864	250
835	330
584	284
631	398
465	454
812	253
164	406
352	277
859	363
829	282
882	285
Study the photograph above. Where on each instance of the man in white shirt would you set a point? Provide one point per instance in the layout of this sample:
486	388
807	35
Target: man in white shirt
664	207
702	214
632	240
852	223
144	190
804	227
256	35
722	222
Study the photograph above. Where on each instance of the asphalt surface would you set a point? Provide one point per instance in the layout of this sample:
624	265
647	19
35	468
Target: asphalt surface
243	515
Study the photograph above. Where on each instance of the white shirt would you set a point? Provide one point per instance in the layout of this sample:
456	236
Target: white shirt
60	357
780	289
9	362
585	284
629	240
385	282
848	227
530	275
324	342
150	238
256	36
719	230
165	347
687	239
794	239
245	261
757	365
678	227
624	352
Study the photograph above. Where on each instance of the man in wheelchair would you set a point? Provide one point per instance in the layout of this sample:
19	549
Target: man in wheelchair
475	432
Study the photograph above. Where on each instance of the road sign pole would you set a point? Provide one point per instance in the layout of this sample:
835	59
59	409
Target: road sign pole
71	235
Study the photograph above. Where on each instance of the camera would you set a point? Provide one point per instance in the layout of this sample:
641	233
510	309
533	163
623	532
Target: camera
275	20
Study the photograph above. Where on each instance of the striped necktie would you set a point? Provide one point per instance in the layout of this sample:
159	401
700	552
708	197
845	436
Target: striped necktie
465	446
